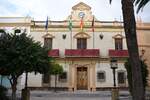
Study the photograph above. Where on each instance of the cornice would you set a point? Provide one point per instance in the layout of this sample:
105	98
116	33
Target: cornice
88	30
14	24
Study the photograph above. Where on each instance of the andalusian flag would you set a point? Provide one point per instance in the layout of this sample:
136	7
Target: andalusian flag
93	24
81	24
70	24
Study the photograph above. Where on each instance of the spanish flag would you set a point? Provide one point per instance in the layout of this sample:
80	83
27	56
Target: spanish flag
81	24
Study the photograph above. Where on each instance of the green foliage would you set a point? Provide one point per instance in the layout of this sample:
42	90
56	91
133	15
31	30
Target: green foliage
56	69
3	92
19	54
140	3
129	73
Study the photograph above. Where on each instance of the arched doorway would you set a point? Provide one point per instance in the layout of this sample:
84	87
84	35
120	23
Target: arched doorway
82	78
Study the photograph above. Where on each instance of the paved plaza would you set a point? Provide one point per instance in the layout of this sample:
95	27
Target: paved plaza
77	95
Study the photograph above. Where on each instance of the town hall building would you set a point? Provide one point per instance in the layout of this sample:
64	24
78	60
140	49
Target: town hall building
84	46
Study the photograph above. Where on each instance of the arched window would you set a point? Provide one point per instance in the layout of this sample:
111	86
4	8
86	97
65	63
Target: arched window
81	43
48	38
118	44
118	41
82	40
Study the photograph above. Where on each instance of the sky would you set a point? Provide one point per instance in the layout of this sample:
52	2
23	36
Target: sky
60	9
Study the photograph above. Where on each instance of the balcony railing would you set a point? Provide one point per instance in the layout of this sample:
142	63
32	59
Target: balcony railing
118	53
53	53
82	53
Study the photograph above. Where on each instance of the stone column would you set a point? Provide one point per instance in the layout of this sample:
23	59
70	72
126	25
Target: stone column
93	78
89	78
70	77
74	78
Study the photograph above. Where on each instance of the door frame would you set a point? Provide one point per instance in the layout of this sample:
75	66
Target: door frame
87	83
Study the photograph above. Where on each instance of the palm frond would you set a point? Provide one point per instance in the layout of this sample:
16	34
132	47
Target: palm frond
110	1
140	4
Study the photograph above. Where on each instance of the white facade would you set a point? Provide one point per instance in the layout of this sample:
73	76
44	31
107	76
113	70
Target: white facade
73	65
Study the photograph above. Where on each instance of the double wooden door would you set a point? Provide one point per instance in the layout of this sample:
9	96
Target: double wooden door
82	78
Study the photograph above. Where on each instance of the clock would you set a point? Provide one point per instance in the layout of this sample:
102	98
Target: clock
81	14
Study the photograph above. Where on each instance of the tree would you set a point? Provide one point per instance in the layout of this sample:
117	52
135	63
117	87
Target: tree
56	70
129	73
19	54
3	91
131	39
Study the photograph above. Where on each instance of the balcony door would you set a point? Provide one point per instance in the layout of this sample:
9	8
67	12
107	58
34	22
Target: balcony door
82	78
81	43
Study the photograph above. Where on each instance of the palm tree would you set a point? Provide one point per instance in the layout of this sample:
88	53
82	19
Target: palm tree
131	39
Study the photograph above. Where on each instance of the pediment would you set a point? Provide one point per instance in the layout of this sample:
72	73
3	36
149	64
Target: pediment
48	35
118	36
82	35
81	6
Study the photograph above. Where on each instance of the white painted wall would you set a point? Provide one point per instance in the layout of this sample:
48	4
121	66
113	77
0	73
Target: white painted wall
34	80
109	75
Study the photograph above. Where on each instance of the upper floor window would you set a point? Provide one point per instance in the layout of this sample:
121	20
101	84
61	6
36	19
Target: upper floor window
81	43
118	44
48	43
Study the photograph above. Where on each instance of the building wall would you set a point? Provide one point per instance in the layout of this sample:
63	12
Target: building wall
56	29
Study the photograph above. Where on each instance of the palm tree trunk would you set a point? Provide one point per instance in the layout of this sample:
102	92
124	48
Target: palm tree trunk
130	32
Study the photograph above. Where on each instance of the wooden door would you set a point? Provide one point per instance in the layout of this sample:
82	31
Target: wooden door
82	78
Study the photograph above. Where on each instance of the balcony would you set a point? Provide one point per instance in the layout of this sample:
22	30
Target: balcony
118	53
82	52
53	53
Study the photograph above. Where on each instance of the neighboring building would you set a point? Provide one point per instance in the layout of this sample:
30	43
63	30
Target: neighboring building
84	50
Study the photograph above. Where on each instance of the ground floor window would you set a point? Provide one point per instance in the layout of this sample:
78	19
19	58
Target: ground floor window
101	76
63	77
121	77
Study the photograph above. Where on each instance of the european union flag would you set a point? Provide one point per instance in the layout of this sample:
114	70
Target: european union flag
46	25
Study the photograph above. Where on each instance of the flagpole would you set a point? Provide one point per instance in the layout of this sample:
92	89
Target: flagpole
70	28
93	32
71	38
46	26
93	40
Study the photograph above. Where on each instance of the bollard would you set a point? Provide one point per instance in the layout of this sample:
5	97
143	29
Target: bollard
25	95
115	94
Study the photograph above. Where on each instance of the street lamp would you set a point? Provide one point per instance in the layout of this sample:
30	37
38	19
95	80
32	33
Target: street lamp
114	66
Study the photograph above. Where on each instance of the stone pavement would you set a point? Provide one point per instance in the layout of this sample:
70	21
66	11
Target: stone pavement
77	95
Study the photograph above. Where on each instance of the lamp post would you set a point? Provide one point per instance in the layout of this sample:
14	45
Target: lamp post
114	66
